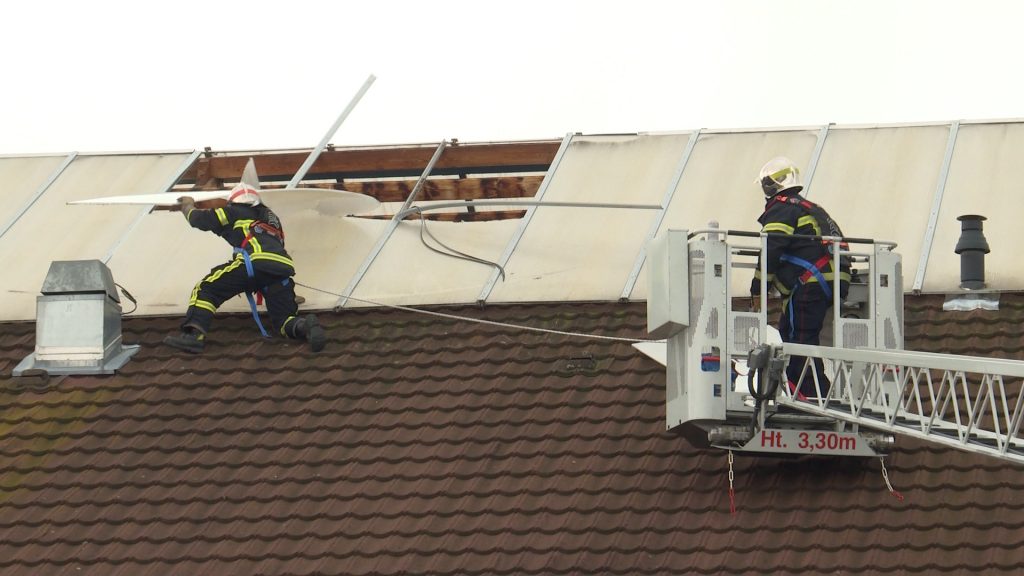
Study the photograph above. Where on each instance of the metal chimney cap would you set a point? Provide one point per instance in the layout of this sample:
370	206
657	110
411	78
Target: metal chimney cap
79	277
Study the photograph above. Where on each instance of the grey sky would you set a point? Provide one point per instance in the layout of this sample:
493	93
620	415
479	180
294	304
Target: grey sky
111	75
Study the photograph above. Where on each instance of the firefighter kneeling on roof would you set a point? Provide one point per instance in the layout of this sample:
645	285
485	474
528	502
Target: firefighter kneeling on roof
261	265
800	268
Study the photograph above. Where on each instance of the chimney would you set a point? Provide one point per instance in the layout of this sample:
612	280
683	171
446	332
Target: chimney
972	248
78	322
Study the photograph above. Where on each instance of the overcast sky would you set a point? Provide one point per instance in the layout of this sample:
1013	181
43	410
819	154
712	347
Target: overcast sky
106	75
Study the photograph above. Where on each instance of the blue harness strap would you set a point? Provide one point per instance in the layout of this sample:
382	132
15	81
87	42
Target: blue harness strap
810	268
789	312
249	295
256	314
817	274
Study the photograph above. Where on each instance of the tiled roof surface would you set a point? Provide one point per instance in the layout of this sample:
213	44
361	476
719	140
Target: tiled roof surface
421	444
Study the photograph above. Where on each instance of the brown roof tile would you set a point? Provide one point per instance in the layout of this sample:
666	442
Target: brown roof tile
422	444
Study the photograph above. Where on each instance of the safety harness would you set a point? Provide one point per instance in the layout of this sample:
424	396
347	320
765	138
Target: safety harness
811	270
255	297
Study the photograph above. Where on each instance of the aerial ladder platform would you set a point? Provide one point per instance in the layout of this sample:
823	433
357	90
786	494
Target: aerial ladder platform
726	384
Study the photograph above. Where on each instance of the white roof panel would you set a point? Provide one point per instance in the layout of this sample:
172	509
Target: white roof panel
407	272
588	253
51	230
327	251
984	179
22	179
878	181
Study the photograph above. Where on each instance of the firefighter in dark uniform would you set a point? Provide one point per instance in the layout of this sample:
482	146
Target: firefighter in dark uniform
801	269
261	265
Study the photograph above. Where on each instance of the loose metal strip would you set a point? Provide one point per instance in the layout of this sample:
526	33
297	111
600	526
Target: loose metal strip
392	226
521	203
294	183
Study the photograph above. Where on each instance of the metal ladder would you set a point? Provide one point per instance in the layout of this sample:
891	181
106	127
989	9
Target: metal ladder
970	403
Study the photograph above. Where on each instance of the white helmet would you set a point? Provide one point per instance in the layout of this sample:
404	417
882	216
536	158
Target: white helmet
244	193
779	174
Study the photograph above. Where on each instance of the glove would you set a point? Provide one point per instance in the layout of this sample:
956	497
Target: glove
187	203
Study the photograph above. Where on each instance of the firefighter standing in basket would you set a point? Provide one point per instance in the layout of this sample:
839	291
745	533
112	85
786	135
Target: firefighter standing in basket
801	269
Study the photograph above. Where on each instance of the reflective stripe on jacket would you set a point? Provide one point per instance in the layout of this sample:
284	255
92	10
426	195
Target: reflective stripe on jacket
787	217
247	228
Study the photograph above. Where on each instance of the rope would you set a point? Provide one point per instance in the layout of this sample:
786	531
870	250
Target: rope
480	321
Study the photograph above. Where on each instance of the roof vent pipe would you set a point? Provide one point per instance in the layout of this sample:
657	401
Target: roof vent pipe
972	248
78	322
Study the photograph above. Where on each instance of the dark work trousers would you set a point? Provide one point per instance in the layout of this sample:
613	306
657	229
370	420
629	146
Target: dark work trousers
229	280
803	315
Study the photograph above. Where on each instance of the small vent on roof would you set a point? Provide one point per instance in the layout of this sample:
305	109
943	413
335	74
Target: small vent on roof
972	248
78	322
581	363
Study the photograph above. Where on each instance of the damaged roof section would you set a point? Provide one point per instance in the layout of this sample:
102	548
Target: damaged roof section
603	197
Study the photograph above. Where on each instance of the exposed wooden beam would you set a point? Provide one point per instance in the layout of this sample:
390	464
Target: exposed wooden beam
383	161
448	189
435	189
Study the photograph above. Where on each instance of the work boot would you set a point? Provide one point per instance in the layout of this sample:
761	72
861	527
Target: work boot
188	340
308	327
